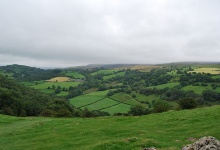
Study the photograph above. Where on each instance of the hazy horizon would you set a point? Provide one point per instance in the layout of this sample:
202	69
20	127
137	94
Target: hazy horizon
59	34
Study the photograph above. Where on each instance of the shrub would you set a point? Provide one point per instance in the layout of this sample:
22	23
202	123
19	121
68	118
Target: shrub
187	103
161	106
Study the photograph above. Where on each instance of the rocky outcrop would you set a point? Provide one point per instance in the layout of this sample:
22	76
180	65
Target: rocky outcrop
205	143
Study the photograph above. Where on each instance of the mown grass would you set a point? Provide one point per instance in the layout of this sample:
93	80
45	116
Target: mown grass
75	74
165	131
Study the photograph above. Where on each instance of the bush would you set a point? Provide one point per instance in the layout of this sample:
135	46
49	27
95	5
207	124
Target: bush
139	110
187	103
161	106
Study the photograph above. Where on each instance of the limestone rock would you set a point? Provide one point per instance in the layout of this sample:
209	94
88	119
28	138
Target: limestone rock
205	143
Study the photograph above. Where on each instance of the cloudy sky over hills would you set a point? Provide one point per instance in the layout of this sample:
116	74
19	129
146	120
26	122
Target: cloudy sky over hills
61	33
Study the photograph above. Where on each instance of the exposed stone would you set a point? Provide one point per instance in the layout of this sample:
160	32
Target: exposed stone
205	143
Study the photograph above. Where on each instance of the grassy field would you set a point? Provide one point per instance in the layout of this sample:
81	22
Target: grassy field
103	72
162	86
75	74
107	102
216	77
207	70
199	89
82	100
165	131
45	85
59	79
144	98
114	75
124	98
120	108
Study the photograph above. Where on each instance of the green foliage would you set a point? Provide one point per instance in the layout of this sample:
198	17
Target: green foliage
25	73
139	110
187	103
161	106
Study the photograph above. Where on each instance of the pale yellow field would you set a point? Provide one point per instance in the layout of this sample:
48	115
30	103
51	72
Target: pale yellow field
59	79
207	70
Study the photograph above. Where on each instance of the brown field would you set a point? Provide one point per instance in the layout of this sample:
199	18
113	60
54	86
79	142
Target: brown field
207	70
60	79
143	68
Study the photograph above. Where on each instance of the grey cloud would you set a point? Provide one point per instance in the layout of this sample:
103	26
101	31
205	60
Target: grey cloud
78	32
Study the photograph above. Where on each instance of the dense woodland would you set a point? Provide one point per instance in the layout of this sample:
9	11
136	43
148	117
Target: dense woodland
20	100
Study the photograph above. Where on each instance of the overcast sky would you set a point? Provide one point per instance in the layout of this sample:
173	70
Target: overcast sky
63	33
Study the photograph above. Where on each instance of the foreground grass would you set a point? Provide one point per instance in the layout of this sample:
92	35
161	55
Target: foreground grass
170	130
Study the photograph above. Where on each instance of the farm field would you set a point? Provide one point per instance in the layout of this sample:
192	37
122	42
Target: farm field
114	75
45	85
144	98
118	103
199	89
75	74
103	72
162	86
124	98
161	130
216	77
104	103
207	70
59	79
87	99
120	108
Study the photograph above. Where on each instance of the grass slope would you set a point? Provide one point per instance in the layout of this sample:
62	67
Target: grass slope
165	131
75	74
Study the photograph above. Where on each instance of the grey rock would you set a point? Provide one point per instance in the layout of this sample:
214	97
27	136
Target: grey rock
205	143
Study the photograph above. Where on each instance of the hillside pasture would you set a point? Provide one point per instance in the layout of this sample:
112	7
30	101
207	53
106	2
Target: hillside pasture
74	74
121	74
164	131
200	89
45	85
60	79
124	98
207	70
104	103
144	98
87	99
104	72
119	108
167	85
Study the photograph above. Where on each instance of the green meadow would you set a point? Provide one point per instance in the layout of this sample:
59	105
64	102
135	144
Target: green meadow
162	86
114	75
165	131
103	72
199	89
74	74
45	85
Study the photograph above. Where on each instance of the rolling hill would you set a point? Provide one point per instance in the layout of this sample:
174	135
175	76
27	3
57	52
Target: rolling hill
165	131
